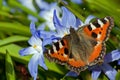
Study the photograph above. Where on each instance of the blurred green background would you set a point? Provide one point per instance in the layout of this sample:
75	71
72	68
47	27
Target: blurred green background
15	32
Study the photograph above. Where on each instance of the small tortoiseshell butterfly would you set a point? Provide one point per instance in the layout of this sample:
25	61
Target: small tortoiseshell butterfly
83	47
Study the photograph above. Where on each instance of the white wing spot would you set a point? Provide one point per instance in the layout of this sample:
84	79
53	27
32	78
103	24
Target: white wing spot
54	49
65	55
60	44
48	51
98	36
100	22
99	42
106	19
92	26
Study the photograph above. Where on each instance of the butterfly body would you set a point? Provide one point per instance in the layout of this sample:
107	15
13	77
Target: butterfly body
83	47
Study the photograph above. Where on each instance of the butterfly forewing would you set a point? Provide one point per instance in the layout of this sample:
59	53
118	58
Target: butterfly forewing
99	29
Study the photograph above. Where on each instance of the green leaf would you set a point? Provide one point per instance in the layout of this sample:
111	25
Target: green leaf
10	73
1	1
52	66
104	78
118	76
4	13
13	39
13	52
14	28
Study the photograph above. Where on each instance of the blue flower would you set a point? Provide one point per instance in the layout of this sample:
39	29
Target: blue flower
68	20
47	14
47	36
28	4
105	67
36	48
46	11
72	73
62	27
42	4
118	62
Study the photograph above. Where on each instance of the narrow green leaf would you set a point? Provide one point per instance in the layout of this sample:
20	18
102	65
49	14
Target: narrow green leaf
4	13
118	76
52	66
6	8
104	78
15	28
13	39
14	53
10	73
1	1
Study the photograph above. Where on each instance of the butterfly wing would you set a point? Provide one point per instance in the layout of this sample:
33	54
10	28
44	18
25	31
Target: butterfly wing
58	52
100	29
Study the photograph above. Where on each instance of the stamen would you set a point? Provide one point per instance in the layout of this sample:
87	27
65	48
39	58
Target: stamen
38	48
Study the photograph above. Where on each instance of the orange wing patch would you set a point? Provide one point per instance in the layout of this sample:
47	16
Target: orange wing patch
100	29
59	51
75	63
96	53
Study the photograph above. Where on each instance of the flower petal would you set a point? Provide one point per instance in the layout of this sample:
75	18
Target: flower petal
33	65
89	18
78	23
41	27
95	74
68	19
28	4
112	56
109	71
61	30
50	40
32	28
118	62
41	62
72	73
64	16
48	16
42	4
26	51
46	34
34	40
56	22
96	70
32	18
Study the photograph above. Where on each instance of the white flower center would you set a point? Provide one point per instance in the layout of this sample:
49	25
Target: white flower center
38	48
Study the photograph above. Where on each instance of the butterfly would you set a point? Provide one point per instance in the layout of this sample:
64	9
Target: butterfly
83	47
